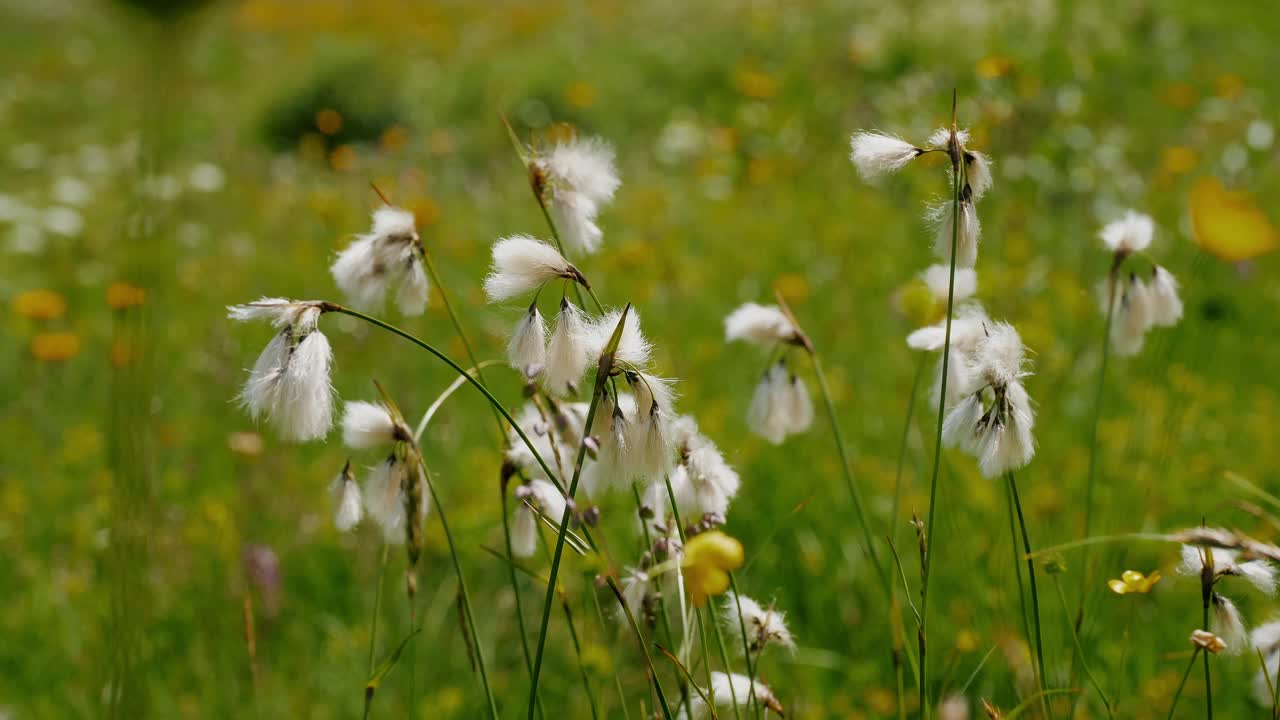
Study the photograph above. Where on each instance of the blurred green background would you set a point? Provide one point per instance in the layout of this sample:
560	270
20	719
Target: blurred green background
217	155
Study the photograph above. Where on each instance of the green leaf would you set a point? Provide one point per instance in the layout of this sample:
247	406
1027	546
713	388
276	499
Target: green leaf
388	663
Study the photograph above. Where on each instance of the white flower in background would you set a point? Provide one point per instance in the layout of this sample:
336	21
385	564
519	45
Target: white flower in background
567	354
780	406
347	505
368	425
938	280
1132	314
527	349
763	625
995	420
386	255
289	383
636	588
578	177
1131	233
537	497
763	325
522	264
702	482
877	153
942	216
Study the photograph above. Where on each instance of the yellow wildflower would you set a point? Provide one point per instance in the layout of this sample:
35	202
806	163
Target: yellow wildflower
708	560
40	305
1229	224
1132	581
122	295
55	346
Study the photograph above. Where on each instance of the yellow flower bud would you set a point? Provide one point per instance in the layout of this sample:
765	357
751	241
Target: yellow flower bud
708	560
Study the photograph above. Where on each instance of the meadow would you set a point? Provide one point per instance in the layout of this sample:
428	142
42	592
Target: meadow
166	556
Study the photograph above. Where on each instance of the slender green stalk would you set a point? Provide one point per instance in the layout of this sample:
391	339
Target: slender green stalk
333	307
373	624
1035	598
942	413
902	445
1208	680
845	466
577	650
1097	402
1017	567
724	660
602	376
746	648
706	656
1075	638
515	589
1183	683
617	678
462	588
644	647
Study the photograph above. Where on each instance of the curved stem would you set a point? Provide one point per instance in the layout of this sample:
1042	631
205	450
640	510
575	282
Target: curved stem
902	445
856	494
462	589
515	590
333	307
457	327
1075	638
1035	598
937	440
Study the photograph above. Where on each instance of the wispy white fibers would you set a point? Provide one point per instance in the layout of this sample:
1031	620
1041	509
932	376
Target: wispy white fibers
1132	315
938	279
942	217
763	325
368	425
877	153
967	327
522	264
1131	233
726	689
537	497
527	349
581	177
1265	639
567	354
763	625
289	383
347	505
1166	306
384	498
978	173
647	431
769	413
703	483
634	348
995	419
386	255
1228	624
1227	563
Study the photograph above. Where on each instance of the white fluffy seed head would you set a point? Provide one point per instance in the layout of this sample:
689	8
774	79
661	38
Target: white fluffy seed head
582	177
411	298
763	625
1131	233
1229	625
368	425
385	255
384	499
978	173
877	153
524	531
726	689
289	383
634	348
522	264
1009	445
1166	306
301	315
347	505
1266	637
769	413
1000	355
360	274
567	356
941	138
760	324
1132	316
938	279
527	350
942	217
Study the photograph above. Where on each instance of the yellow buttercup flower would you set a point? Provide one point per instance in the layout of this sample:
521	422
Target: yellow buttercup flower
1229	224
55	346
1132	581
708	560
40	305
122	295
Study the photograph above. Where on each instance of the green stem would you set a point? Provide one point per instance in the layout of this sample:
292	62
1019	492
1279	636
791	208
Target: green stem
1183	683
746	647
724	659
1208	681
706	656
1035	598
902	446
604	627
373	623
577	649
848	472
1017	566
937	440
644	647
515	590
600	378
462	588
1075	638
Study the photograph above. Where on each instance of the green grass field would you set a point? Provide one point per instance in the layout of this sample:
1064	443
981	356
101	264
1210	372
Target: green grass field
140	520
